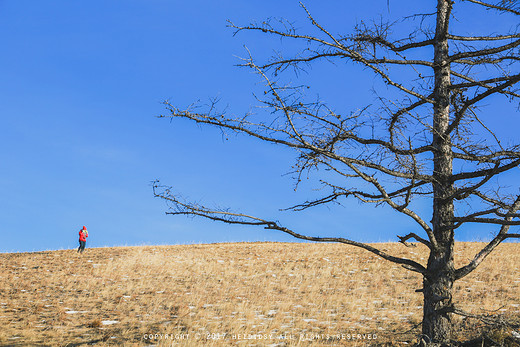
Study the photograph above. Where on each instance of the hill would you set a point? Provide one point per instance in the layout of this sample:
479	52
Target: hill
242	294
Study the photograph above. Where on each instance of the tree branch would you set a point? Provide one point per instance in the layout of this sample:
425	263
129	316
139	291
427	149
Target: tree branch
460	113
403	239
486	172
483	38
501	236
186	208
500	8
397	207
483	52
485	220
467	78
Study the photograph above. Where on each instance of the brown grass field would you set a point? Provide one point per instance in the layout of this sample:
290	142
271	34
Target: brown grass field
237	294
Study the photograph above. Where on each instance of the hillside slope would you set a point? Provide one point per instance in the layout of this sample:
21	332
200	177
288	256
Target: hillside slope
235	294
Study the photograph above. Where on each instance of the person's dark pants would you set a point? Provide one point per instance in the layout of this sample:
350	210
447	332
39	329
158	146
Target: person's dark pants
81	247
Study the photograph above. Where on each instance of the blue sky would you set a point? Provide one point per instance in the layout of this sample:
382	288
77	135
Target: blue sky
82	83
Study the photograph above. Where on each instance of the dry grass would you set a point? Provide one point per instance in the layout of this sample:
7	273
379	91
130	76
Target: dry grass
124	295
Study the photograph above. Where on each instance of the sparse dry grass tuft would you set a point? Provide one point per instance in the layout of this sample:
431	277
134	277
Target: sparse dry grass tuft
136	295
96	323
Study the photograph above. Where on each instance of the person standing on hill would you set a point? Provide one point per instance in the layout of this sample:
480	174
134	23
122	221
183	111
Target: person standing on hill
83	234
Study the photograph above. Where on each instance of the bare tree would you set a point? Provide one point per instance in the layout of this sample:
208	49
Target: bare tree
425	142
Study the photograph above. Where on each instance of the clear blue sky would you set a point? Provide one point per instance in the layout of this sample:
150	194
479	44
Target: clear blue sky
81	85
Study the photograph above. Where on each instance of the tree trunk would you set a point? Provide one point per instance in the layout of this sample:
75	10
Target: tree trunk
438	285
439	277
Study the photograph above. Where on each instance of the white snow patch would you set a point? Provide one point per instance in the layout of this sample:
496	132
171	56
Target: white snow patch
109	322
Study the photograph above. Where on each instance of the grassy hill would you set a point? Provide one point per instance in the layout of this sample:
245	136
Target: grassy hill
241	294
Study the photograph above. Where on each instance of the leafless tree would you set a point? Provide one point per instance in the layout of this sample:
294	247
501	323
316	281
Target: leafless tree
425	142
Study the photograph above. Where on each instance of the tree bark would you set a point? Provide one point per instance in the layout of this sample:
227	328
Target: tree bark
439	277
438	285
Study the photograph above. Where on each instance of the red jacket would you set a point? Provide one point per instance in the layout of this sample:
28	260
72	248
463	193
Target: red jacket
83	235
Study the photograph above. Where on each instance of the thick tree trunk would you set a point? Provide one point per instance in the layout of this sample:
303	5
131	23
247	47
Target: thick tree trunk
438	285
438	281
